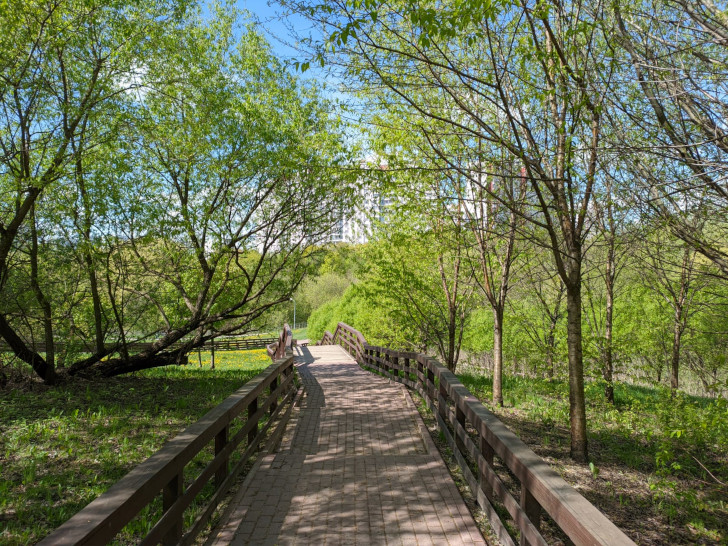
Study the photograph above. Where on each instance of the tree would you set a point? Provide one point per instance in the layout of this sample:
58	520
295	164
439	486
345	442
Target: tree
233	147
494	228
51	79
199	216
674	275
527	81
492	225
433	297
540	320
613	242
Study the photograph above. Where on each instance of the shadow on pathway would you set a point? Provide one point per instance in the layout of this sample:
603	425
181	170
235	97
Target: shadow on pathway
355	469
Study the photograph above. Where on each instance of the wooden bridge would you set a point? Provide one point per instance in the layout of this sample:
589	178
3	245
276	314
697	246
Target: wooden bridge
355	465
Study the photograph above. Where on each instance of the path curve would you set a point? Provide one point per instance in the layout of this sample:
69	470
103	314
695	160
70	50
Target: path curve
356	467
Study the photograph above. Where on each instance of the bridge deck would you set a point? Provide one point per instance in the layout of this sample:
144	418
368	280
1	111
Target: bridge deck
356	467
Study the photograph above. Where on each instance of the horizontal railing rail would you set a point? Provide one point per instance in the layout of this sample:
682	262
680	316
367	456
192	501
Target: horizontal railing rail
225	428
218	344
476	437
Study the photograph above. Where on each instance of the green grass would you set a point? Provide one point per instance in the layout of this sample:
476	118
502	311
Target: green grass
301	333
61	447
666	447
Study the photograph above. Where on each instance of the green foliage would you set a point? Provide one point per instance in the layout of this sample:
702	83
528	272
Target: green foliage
360	310
319	290
478	336
168	183
343	259
336	269
323	318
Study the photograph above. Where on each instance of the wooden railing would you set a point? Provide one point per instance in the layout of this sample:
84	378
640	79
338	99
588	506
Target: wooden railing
350	339
476	437
227	426
237	344
218	344
282	345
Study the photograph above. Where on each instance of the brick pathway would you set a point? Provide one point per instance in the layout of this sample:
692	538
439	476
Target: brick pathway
354	468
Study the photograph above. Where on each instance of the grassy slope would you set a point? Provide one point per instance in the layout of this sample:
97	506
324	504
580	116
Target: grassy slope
62	447
647	451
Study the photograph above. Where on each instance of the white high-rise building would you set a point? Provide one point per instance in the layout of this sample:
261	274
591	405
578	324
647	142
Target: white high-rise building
356	228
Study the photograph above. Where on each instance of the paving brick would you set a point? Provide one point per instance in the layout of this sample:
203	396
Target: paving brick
355	470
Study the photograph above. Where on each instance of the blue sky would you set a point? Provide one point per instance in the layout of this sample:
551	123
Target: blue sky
277	25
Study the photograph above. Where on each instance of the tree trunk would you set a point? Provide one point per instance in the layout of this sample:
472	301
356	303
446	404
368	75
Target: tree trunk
124	351
21	350
451	335
551	348
676	339
93	281
119	366
95	299
50	374
608	370
680	318
577	404
85	228
498	356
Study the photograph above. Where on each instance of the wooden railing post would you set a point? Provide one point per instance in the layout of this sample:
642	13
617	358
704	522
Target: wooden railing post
252	408
359	351
273	387
488	454
532	509
442	401
431	384
421	374
221	440
460	418
395	363
171	492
